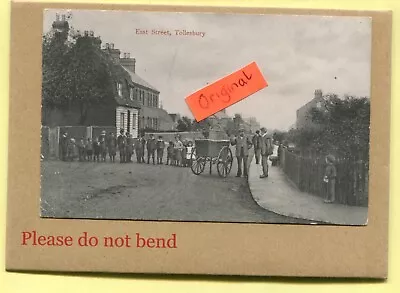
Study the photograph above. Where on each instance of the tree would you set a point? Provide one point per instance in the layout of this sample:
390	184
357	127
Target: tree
184	124
89	75
77	74
54	63
341	128
201	125
279	135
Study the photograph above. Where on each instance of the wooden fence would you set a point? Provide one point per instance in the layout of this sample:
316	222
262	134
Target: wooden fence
308	173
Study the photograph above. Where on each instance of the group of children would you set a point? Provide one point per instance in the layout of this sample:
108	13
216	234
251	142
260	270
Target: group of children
178	152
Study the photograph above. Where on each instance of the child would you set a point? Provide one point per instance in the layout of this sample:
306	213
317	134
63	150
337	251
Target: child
184	152
330	178
103	146
81	149
89	150
72	150
170	153
96	150
112	147
189	151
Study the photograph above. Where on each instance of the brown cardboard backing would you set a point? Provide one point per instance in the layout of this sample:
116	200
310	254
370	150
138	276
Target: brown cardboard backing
203	248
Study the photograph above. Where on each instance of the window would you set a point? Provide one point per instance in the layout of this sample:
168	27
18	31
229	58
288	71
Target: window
142	126
122	121
119	88
156	123
137	93
131	93
148	122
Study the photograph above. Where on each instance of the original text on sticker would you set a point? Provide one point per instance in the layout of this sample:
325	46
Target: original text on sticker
226	91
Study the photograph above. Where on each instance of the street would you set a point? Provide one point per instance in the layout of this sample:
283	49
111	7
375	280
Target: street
148	192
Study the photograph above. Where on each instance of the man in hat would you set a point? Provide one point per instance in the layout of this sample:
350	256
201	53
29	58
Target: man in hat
257	146
151	149
266	150
243	144
121	142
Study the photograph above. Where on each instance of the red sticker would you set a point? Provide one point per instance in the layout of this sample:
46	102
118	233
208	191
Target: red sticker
226	91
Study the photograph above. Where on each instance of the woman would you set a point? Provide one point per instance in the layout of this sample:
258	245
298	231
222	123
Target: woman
178	147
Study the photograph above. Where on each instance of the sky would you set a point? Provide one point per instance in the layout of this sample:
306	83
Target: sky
296	55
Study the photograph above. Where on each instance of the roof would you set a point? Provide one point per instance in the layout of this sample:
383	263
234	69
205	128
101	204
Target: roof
117	70
138	80
123	101
156	113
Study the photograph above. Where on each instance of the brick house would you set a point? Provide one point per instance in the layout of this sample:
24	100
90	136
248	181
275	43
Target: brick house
133	106
303	118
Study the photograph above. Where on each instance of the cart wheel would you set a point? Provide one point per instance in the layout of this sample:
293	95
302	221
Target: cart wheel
198	164
225	159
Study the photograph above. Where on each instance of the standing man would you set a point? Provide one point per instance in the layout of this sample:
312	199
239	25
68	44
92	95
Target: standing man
160	150
243	144
151	149
121	141
266	150
256	140
129	148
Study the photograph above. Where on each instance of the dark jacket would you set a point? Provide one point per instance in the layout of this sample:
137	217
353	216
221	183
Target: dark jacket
241	142
151	144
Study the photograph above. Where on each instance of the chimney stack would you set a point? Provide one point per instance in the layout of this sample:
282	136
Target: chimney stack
115	53
128	62
318	94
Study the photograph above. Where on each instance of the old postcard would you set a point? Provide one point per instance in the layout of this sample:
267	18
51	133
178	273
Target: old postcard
153	123
112	96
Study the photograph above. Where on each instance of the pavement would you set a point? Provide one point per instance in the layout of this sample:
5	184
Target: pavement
279	195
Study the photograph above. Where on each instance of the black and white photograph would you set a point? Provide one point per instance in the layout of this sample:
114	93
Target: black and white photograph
119	142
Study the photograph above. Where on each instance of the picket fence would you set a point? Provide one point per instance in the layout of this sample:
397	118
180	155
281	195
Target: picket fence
307	173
